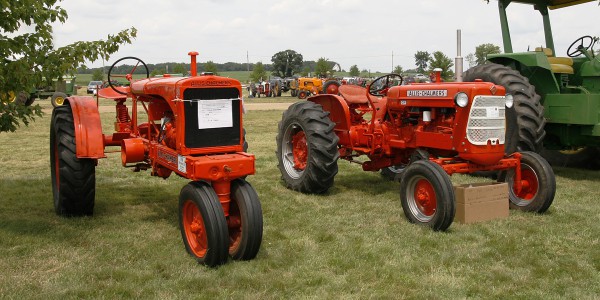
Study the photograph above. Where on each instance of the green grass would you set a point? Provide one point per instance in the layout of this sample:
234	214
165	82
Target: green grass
352	242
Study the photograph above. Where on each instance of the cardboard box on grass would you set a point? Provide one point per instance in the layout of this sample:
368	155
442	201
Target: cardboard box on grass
477	202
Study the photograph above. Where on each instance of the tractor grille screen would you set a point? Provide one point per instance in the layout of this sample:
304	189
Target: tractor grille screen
486	120
212	117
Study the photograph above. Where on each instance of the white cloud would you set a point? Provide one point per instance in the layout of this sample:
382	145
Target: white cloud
349	32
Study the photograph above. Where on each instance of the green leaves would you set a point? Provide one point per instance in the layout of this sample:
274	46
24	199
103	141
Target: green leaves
28	59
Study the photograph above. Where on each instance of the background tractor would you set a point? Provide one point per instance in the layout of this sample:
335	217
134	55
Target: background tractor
308	86
557	99
430	130
190	126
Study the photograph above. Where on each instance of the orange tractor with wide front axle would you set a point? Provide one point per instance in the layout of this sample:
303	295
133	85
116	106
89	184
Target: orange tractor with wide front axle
190	126
419	133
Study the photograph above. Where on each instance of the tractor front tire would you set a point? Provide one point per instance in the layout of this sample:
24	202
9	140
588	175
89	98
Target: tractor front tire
538	184
427	195
245	221
525	120
202	224
302	94
73	179
58	99
307	150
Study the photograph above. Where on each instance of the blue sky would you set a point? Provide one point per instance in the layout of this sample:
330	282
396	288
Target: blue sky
350	32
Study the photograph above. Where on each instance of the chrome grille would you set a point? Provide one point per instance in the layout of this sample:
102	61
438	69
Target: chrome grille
486	120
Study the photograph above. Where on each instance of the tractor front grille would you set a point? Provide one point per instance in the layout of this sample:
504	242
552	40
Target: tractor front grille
223	128
487	120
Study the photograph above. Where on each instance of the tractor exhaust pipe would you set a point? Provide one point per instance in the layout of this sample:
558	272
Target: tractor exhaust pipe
193	67
458	61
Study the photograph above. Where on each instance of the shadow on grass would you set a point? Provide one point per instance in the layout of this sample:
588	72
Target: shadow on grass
577	174
32	213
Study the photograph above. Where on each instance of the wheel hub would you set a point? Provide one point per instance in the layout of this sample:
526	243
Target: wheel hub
194	229
425	197
300	150
529	185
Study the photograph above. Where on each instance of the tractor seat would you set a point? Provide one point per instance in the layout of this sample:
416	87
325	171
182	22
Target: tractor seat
562	65
353	93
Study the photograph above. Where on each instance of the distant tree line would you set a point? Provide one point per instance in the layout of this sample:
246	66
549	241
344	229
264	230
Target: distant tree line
289	63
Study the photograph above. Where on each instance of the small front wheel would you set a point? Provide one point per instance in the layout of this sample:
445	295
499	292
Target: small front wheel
427	195
202	224
245	221
537	185
58	99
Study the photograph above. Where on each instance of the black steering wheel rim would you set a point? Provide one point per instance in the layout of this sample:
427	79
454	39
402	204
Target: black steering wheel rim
129	74
580	48
386	86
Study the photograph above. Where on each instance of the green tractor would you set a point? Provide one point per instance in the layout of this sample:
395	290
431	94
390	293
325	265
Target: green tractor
556	99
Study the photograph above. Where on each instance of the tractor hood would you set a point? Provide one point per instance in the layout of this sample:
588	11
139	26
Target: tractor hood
554	4
170	87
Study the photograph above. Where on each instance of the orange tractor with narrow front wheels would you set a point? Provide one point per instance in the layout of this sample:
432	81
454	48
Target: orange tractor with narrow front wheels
188	126
419	134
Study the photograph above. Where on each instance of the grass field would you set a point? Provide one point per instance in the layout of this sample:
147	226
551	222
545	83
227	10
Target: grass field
352	242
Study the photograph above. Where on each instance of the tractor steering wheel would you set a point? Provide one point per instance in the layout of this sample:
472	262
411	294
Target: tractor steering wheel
580	47
381	85
128	76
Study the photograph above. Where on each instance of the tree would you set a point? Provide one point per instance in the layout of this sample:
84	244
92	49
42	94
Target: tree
210	66
258	72
30	60
398	70
286	63
470	58
323	68
440	60
179	69
354	72
482	51
421	60
98	75
305	71
158	71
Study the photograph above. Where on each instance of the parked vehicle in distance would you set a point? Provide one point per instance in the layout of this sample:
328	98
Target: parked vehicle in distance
93	86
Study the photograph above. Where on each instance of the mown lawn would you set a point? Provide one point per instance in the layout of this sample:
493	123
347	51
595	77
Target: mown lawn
352	242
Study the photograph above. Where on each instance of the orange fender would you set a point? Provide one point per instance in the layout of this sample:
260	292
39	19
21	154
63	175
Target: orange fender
339	113
89	140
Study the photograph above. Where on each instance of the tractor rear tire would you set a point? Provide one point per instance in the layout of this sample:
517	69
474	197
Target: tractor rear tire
245	221
539	184
525	120
202	224
331	87
73	179
583	158
58	99
427	195
307	151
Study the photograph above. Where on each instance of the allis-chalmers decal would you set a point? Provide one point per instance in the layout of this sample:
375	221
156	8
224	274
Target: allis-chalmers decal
427	93
167	157
211	83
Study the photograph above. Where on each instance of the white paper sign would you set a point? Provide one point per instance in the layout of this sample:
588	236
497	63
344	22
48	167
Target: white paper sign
215	113
492	112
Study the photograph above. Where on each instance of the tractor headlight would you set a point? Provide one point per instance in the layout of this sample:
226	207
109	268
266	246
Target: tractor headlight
461	99
509	100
